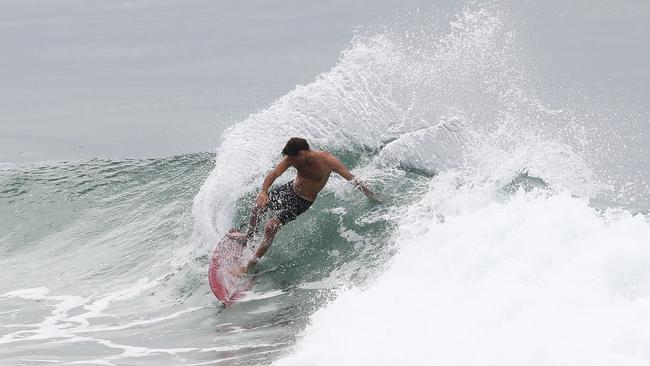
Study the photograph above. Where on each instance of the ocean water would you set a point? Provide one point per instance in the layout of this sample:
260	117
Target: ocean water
503	239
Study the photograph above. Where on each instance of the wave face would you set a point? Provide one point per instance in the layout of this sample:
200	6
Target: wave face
496	251
499	241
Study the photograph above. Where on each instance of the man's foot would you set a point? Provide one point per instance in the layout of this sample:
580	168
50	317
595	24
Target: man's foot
237	236
239	272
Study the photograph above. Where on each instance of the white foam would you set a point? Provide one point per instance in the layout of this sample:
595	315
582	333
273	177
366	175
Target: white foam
536	280
36	293
254	296
432	148
60	325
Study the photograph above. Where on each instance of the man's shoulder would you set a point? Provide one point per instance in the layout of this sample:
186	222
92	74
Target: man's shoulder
324	155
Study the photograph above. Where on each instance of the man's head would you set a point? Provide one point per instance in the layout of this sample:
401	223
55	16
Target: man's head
294	146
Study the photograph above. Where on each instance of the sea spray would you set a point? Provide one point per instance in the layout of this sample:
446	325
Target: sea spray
482	276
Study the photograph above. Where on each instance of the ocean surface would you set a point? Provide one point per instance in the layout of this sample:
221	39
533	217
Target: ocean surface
507	235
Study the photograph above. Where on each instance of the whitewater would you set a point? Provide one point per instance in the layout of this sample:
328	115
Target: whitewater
503	239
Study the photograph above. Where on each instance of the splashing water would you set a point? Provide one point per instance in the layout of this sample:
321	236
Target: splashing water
498	242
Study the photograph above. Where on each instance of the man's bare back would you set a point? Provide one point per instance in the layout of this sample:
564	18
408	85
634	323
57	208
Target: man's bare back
314	169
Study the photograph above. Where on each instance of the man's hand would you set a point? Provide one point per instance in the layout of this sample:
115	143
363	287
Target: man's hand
262	199
372	196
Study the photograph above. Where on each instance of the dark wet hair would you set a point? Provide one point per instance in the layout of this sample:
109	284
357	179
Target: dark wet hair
294	145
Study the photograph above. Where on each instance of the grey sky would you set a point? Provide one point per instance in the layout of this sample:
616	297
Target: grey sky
151	78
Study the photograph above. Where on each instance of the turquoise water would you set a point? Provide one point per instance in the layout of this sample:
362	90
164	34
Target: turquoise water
105	263
502	238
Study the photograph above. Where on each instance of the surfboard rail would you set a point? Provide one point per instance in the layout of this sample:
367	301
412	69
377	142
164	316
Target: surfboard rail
226	259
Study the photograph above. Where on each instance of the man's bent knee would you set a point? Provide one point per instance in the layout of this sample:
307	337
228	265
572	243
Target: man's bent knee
272	226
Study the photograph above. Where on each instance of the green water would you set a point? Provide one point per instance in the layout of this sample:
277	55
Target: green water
115	244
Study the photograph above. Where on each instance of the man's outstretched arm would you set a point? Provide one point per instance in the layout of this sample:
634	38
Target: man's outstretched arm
340	168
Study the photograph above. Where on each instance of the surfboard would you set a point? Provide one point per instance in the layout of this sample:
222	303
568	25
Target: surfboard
226	258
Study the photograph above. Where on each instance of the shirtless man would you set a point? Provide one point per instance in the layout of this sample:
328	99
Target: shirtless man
295	197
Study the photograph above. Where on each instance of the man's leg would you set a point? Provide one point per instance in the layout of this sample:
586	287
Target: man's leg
270	229
252	226
252	223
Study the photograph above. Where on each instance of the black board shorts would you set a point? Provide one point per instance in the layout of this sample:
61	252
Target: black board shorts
285	200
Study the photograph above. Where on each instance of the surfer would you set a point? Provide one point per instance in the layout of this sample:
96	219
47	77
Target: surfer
295	197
